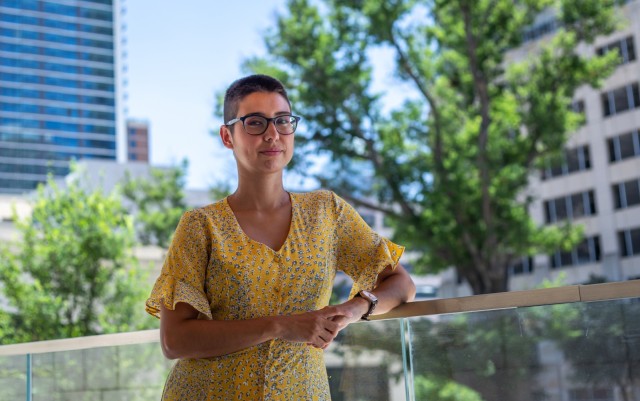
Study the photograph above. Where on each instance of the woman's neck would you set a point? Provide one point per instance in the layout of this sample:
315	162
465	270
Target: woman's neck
263	194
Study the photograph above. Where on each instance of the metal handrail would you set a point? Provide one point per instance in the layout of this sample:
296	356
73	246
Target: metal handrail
517	299
474	303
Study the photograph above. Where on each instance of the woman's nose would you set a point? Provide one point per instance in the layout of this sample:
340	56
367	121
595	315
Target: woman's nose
271	133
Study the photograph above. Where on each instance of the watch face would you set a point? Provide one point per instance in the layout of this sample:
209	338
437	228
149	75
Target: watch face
370	296
373	302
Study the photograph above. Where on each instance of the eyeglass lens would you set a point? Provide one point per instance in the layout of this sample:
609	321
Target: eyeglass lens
257	125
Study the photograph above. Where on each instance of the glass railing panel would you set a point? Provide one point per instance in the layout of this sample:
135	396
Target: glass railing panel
13	378
365	363
128	372
566	352
496	347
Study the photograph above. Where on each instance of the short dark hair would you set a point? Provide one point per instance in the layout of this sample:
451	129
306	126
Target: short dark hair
243	87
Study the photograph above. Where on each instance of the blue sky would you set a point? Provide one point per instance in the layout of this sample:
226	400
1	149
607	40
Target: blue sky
178	55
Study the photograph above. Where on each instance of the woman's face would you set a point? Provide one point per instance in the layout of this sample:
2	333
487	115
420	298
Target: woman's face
266	153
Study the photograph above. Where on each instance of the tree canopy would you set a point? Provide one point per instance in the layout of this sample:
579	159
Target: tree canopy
159	202
71	273
451	165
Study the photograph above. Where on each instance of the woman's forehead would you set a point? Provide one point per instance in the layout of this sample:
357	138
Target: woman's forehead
263	102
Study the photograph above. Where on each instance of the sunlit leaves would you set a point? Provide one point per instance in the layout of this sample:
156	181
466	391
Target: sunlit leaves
455	160
158	202
71	266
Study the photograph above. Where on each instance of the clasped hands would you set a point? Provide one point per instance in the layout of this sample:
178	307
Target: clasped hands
319	328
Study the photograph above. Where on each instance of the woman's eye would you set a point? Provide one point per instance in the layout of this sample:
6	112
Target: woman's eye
254	122
283	121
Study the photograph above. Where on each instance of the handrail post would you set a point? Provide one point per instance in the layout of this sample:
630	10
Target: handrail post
29	377
407	359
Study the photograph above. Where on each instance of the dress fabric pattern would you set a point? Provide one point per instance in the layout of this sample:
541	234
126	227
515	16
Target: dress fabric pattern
215	267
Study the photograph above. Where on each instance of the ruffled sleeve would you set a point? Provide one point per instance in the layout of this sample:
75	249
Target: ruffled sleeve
362	253
182	278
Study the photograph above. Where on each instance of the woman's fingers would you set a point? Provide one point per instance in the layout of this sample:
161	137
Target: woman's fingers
331	312
317	328
310	327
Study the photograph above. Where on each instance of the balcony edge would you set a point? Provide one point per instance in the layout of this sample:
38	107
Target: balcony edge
474	303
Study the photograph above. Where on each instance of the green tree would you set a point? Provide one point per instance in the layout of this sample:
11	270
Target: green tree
72	272
159	202
601	346
491	355
220	189
598	339
455	159
428	389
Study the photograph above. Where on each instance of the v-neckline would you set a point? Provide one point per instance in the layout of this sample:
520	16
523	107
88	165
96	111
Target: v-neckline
247	237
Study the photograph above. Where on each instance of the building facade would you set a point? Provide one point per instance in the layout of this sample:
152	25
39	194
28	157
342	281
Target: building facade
137	141
597	185
57	88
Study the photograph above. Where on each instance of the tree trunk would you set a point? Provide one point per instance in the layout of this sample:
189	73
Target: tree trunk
495	280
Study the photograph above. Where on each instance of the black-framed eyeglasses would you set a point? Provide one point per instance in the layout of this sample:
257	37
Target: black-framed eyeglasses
255	124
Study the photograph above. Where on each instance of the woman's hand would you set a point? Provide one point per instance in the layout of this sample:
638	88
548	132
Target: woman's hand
319	328
355	307
316	328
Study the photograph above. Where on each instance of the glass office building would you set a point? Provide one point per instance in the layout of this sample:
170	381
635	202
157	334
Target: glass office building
57	88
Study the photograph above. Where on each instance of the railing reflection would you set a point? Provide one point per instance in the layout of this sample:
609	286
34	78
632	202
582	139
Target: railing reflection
566	344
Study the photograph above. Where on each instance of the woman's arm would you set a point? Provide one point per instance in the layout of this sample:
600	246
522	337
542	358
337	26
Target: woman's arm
393	287
183	335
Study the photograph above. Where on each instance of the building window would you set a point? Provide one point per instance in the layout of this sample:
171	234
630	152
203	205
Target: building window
626	194
620	100
625	47
588	251
570	207
577	106
573	160
629	241
539	30
624	146
522	266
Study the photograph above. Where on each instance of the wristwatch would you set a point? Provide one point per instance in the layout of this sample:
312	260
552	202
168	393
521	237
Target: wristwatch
373	301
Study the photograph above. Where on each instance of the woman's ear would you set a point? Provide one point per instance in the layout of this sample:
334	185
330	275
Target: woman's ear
227	138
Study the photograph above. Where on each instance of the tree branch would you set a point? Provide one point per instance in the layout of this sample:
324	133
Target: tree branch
438	152
405	64
481	88
377	161
370	205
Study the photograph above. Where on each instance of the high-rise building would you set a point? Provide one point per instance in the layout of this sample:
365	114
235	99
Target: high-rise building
137	141
57	88
597	185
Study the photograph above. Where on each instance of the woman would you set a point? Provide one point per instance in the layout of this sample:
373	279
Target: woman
242	297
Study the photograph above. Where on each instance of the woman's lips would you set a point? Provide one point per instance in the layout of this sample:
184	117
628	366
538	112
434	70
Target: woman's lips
271	152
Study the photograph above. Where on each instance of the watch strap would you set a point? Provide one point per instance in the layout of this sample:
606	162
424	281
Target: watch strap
373	301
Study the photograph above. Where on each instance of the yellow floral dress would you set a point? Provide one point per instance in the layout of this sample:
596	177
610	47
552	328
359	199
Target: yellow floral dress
216	268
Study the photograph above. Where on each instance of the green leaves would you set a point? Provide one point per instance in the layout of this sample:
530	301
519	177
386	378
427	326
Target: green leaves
427	388
72	273
455	159
159	202
588	18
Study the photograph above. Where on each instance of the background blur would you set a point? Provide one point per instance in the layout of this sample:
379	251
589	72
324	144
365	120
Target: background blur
499	142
